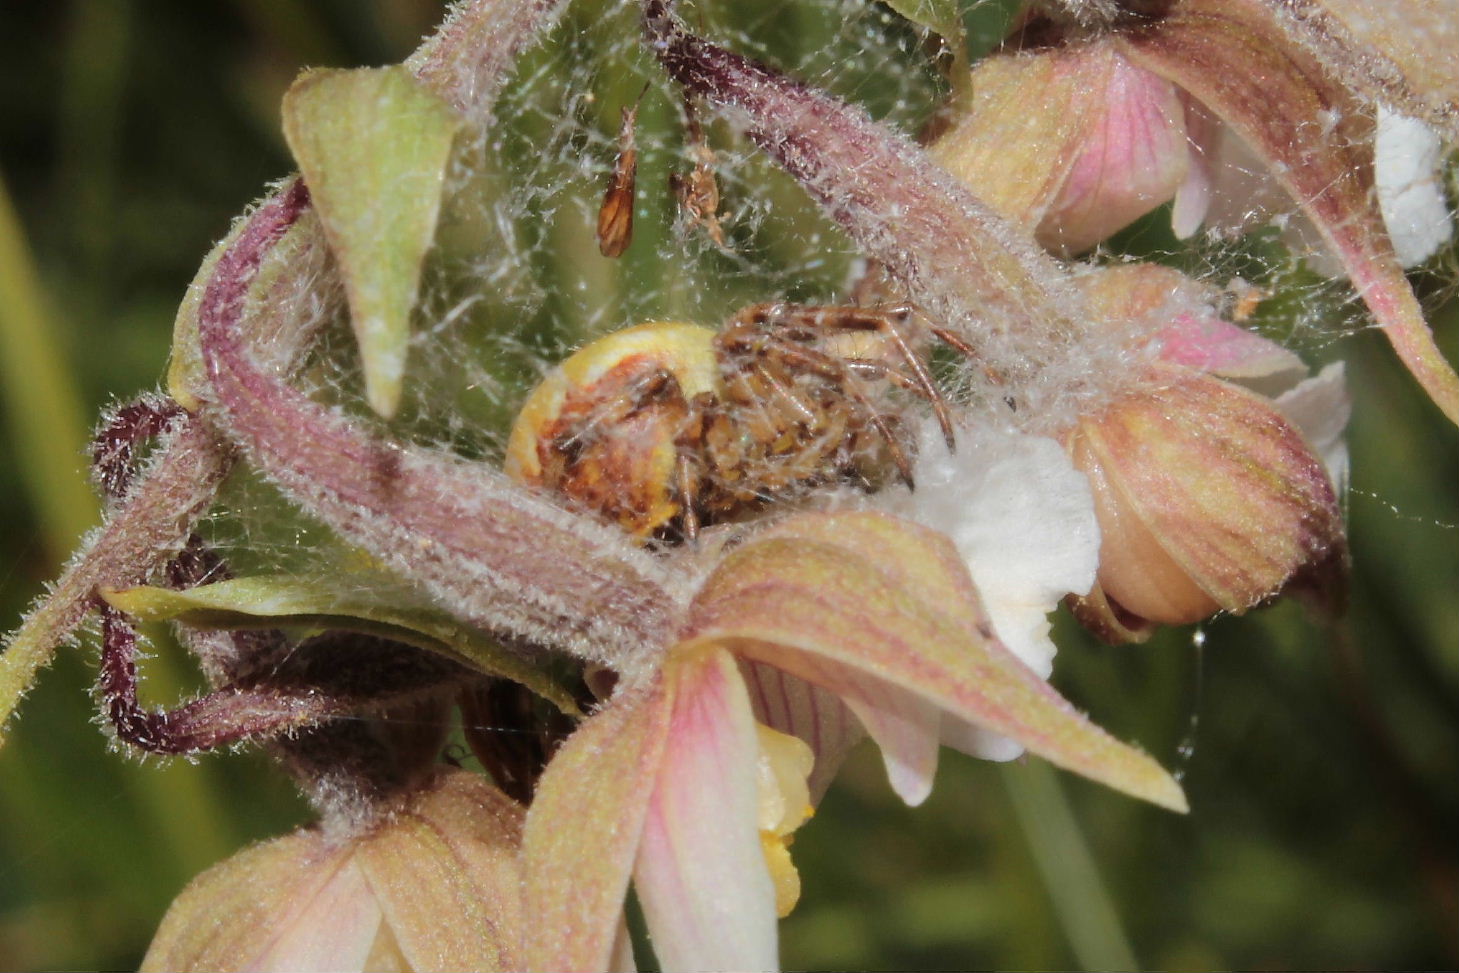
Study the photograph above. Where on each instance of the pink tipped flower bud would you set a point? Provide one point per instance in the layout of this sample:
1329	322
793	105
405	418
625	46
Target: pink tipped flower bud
1208	500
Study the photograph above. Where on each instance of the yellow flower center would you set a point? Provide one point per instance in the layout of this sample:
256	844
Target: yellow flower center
785	804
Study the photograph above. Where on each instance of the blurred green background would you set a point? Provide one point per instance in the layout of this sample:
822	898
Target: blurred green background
1320	760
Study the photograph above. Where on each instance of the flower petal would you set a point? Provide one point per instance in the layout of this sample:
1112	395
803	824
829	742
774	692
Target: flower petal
296	902
1021	517
1135	157
583	829
1229	55
701	875
1320	407
880	597
1407	162
904	726
791	705
1009	130
1071	142
447	876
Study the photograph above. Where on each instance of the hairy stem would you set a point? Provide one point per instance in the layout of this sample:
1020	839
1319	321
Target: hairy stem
503	559
960	262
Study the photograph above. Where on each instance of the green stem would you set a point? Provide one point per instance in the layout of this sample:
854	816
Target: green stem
1082	904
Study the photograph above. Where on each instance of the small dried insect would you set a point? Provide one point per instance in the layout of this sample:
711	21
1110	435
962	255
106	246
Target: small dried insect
615	214
1244	298
666	426
698	192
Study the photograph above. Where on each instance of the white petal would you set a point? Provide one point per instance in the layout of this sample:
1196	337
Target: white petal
970	738
904	727
1406	166
1320	408
1023	519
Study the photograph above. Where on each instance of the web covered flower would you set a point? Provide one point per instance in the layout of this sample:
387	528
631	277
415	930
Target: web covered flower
1225	108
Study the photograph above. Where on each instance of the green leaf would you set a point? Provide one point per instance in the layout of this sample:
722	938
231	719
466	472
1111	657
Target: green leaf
373	145
270	602
944	19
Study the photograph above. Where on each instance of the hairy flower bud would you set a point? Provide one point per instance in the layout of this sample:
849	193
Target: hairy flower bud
432	887
1208	500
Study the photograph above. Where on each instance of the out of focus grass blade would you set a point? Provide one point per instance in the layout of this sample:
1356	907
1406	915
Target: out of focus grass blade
43	412
44	418
1081	902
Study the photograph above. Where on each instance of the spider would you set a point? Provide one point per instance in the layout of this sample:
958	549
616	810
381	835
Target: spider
664	427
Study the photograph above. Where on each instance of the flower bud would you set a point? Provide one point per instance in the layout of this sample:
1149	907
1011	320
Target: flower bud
1072	142
433	886
1208	500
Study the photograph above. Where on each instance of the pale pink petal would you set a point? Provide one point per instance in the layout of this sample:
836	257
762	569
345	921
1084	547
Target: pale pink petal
1207	343
891	601
334	931
1230	54
583	829
1131	160
817	716
622	960
701	874
454	852
297	903
1193	198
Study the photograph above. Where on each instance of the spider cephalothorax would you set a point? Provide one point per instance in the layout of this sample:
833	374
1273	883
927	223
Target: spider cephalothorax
663	426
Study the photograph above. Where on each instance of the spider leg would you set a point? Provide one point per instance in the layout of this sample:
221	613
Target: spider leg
878	422
688	496
960	345
685	461
914	361
803	323
843	371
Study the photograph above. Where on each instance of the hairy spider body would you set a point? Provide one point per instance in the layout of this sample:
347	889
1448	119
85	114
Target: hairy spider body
664	426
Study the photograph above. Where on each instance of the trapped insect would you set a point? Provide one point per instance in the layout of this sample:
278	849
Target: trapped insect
665	427
615	214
